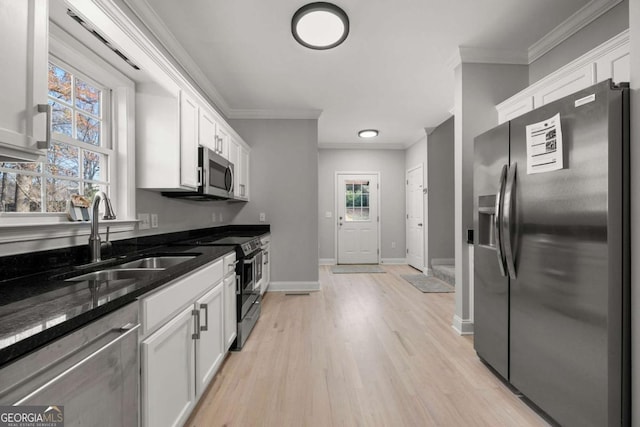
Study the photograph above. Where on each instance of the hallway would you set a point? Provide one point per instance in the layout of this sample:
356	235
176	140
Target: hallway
368	349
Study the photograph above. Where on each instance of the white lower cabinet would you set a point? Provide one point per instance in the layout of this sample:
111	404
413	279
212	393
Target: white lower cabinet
168	372
210	349
230	299
181	352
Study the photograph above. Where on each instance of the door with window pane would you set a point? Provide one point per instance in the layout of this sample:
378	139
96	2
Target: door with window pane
357	220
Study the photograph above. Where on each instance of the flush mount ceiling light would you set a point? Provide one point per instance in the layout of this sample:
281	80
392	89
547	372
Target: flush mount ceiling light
320	25
368	133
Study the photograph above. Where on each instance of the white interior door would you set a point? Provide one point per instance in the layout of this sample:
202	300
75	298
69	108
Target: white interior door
357	218
415	218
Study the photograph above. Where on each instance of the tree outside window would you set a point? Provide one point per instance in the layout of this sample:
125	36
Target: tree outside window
77	159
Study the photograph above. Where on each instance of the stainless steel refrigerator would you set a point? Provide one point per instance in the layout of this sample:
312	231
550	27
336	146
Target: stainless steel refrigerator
551	257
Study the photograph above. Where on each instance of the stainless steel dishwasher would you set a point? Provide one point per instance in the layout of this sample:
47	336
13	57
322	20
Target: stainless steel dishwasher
93	372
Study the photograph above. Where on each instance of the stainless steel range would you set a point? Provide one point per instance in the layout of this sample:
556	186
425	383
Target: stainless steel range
248	277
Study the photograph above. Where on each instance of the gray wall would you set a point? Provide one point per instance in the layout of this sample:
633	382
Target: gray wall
635	207
441	191
390	164
478	88
602	29
284	185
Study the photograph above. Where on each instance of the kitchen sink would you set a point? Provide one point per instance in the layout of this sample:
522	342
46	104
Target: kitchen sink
113	274
156	262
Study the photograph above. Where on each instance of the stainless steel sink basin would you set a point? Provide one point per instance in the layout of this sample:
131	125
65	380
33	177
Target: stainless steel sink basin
112	274
156	262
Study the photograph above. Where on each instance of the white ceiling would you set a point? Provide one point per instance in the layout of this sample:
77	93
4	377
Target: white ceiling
393	72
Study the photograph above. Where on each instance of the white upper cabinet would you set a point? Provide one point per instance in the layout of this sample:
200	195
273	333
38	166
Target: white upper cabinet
610	60
24	51
207	128
188	142
243	174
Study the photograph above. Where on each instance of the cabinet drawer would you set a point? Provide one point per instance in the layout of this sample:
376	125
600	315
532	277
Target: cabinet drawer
174	296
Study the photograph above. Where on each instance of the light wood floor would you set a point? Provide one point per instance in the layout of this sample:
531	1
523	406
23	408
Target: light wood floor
367	350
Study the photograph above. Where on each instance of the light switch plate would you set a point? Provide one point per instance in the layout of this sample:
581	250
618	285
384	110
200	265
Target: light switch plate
328	214
145	221
263	217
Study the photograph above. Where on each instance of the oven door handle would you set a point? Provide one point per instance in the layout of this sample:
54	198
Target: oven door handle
249	261
238	284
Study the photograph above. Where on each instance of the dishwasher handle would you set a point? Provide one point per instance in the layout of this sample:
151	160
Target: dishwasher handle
122	333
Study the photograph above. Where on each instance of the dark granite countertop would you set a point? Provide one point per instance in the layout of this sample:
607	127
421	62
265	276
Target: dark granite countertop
38	304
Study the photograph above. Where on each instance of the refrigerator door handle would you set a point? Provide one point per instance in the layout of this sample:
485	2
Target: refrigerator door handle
497	223
506	220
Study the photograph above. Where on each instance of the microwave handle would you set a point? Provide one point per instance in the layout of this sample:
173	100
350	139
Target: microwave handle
230	189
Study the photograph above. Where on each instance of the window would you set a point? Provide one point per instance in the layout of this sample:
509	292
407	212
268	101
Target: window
77	161
357	200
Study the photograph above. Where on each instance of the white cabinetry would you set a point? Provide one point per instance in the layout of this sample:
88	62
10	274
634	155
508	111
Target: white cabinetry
168	372
24	29
610	60
207	128
166	139
243	173
266	262
230	299
188	141
210	342
183	343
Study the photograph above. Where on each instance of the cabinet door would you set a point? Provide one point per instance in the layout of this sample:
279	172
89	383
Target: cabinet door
210	346
266	268
568	84
168	372
24	51
188	141
243	173
207	127
223	141
230	315
233	159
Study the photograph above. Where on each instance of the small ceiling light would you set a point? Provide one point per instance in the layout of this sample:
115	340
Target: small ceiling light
368	133
320	25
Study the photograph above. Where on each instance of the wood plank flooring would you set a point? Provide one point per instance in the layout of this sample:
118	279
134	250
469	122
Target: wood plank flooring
367	350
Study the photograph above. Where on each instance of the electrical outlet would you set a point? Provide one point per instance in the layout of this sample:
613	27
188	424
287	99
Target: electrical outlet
213	217
328	214
154	220
220	216
263	217
145	222
393	245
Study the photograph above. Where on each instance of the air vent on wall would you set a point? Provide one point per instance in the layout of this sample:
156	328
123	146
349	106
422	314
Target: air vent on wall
102	39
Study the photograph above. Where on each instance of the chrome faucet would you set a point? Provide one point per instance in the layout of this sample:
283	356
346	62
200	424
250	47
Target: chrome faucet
94	238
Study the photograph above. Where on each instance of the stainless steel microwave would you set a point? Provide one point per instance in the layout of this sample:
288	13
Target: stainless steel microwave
215	174
215	178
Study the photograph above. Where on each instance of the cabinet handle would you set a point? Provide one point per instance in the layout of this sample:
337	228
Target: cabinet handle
196	324
200	172
206	317
45	108
237	284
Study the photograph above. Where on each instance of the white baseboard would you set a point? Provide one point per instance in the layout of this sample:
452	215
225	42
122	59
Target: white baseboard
443	261
327	261
293	286
393	261
462	327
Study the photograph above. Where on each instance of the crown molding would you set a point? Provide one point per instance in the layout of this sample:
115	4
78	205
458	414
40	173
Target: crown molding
295	114
168	41
580	19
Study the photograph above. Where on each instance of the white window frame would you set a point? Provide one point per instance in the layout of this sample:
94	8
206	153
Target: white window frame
23	226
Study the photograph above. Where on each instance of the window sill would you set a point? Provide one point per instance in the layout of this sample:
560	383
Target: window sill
39	228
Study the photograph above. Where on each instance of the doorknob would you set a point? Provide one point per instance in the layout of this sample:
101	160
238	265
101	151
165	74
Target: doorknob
419	224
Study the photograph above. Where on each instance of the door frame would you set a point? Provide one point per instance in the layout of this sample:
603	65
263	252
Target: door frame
425	217
335	211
